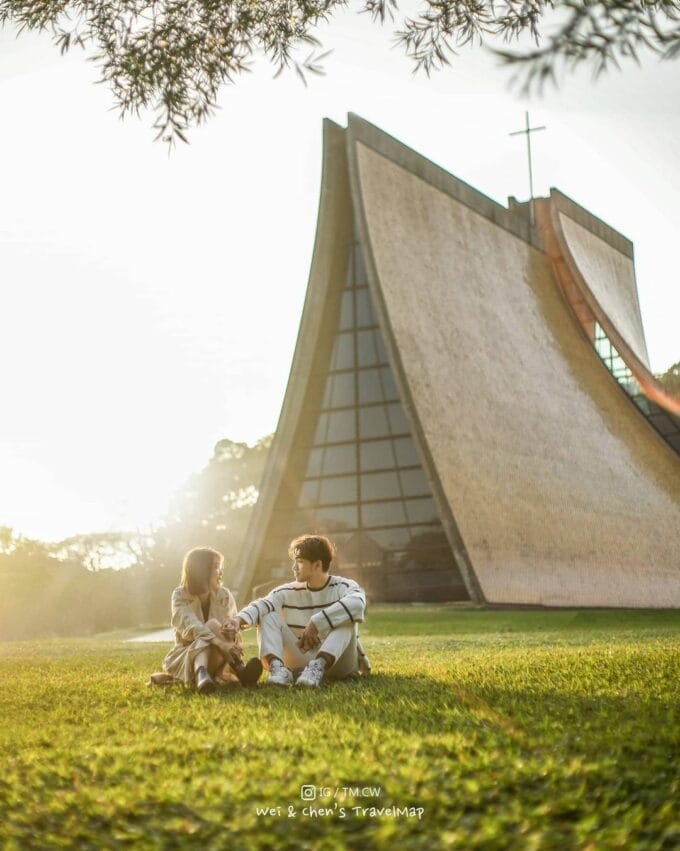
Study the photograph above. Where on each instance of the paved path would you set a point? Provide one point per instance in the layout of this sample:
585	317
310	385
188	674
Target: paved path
161	636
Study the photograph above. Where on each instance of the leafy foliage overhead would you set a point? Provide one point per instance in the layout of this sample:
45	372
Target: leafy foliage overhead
172	56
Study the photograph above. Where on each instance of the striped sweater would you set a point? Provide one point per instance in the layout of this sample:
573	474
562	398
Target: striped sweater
340	601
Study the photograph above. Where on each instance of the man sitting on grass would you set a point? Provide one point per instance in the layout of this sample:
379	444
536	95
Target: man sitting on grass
310	625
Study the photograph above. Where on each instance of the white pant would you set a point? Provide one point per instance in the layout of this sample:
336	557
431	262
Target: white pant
276	638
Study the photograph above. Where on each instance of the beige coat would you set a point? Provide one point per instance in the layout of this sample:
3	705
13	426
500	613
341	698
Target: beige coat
191	633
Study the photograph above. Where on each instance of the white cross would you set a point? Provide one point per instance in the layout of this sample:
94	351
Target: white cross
528	131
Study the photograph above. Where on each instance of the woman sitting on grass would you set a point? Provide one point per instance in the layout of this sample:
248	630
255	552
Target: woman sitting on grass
203	648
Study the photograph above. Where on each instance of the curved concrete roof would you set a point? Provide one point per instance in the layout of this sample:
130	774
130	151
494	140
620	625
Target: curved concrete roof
594	266
334	233
611	278
561	492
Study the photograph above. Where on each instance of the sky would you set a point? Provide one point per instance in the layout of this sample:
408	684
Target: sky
150	303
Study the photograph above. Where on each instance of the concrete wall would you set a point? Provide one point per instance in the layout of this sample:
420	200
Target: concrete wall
562	493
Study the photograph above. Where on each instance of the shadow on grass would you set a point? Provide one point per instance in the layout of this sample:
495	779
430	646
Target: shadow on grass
491	762
487	761
420	704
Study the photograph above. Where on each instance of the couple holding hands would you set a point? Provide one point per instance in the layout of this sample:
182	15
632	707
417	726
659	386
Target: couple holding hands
307	629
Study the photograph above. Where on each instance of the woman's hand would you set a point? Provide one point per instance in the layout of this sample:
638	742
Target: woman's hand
309	640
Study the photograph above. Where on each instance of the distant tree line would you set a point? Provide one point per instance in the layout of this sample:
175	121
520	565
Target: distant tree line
99	582
671	379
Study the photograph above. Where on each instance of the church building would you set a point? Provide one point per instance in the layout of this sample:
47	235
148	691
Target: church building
470	413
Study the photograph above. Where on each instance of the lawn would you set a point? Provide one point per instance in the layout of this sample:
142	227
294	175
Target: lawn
477	729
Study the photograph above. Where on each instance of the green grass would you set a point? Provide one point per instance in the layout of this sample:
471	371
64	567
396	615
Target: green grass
526	730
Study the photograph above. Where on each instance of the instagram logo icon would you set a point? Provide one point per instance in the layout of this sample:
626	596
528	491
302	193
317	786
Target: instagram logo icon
308	793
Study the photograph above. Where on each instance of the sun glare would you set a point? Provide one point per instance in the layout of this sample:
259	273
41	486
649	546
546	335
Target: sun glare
123	497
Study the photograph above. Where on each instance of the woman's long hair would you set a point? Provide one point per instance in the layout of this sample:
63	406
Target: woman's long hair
197	569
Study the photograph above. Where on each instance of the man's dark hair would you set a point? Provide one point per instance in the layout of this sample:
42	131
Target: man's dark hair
313	548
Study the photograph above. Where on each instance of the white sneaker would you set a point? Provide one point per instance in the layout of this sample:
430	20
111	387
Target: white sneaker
279	675
313	674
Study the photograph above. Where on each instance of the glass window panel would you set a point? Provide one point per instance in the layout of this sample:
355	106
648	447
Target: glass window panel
427	536
403	537
388	383
414	483
383	514
348	544
376	385
394	560
662	422
338	517
380	486
328	391
343	351
370	386
321	434
302	521
365	314
367	347
359	268
339	459
276	549
343	390
390	539
397	417
349	278
347	310
371	350
377	455
340	426
314	462
339	391
338	489
439	558
406	452
309	493
373	421
645	407
342	538
424	561
380	346
602	346
421	510
344	561
370	555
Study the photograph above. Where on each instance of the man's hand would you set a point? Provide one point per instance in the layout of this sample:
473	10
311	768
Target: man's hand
231	628
309	640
